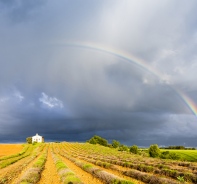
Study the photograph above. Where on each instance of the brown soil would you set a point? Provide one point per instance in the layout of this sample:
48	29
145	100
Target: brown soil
49	175
10	149
85	177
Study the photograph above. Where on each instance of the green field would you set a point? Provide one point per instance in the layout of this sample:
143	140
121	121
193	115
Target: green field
187	155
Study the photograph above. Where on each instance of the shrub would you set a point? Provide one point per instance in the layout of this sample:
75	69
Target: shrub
106	165
170	155
29	140
181	179
123	148
98	140
115	144
134	149
148	168
165	155
154	150
190	177
174	156
126	164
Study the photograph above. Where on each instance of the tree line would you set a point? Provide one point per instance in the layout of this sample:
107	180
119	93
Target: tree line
177	148
153	151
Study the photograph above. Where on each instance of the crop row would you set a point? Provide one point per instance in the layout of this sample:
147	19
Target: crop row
144	177
12	160
15	155
188	176
15	158
180	166
134	158
66	175
16	170
104	176
86	168
144	168
33	174
106	162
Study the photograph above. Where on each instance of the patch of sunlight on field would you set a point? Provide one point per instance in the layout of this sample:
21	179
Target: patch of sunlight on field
188	155
9	149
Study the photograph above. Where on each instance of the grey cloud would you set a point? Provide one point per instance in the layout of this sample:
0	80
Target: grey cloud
100	93
20	10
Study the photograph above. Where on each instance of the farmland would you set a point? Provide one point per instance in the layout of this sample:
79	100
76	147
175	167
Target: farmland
189	155
79	163
9	149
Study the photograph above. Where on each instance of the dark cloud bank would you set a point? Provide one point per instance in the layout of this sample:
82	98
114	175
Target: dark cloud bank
71	93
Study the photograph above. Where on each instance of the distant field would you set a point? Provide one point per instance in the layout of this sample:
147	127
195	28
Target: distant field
189	155
84	163
9	149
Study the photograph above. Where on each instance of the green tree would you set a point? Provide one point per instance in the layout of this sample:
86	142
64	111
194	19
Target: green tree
134	149
154	150
123	148
92	141
98	140
115	144
29	140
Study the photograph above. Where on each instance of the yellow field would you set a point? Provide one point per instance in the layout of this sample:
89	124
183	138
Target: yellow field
76	163
9	149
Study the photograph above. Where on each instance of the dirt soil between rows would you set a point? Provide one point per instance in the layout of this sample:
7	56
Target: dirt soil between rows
49	175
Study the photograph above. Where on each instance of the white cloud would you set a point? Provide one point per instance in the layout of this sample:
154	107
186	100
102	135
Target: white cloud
11	98
18	95
50	102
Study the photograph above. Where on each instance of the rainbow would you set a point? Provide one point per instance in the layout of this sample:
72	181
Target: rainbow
138	62
117	53
192	106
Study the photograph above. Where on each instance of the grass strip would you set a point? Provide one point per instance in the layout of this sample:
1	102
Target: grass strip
66	175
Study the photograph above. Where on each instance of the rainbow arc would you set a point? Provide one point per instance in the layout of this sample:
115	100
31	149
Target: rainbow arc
137	61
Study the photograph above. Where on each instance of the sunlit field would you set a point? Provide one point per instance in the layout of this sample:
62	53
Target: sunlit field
188	155
9	149
86	163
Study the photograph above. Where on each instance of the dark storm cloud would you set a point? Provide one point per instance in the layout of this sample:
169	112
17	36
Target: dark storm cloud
70	93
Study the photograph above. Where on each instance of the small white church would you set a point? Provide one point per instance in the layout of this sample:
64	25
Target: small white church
37	138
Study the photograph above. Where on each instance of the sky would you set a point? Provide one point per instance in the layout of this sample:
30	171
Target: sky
123	70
